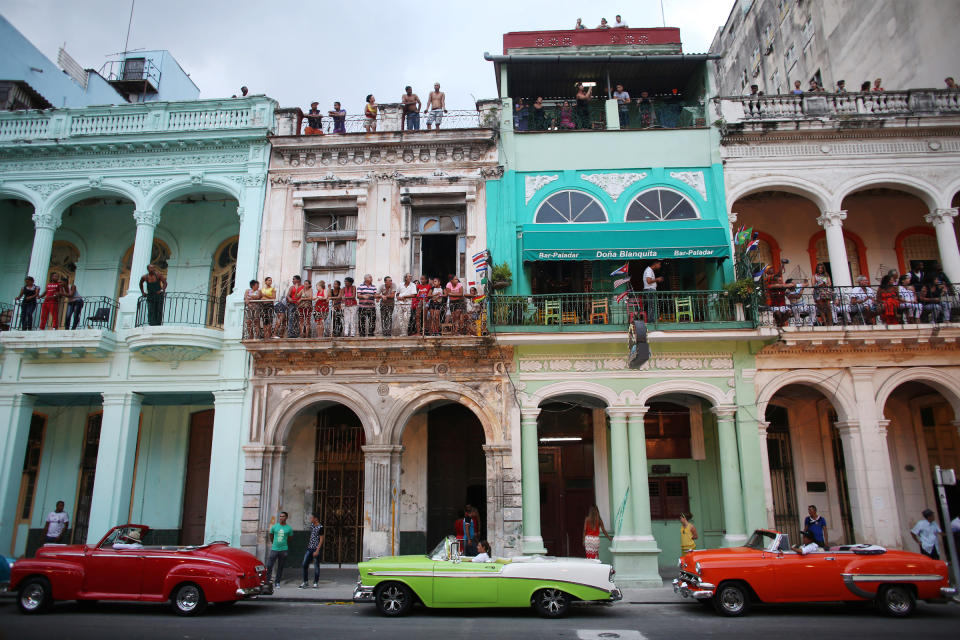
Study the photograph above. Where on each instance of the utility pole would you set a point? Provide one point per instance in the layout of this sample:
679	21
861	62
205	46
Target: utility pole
947	478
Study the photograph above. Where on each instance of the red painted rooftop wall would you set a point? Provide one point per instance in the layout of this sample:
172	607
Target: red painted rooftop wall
588	37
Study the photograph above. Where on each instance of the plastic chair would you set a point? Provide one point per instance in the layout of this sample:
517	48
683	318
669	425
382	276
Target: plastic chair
600	310
551	312
100	318
683	308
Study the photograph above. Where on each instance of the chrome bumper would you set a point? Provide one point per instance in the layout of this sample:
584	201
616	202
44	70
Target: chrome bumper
700	591
252	592
615	595
363	593
948	592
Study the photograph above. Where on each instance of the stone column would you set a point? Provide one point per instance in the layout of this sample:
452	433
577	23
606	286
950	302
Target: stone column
380	497
765	470
832	222
226	474
16	411
942	221
44	225
110	505
730	488
530	477
250	216
622	515
640	494
861	511
498	511
147	222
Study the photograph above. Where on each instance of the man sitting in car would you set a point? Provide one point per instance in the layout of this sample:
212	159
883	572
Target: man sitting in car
129	541
809	544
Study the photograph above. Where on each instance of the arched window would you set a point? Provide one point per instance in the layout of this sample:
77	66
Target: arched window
223	271
63	261
661	204
916	243
853	255
160	256
570	206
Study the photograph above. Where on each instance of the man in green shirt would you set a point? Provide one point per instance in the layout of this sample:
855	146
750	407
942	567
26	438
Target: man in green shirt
278	536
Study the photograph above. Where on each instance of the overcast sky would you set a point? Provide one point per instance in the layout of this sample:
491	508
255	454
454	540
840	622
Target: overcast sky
297	52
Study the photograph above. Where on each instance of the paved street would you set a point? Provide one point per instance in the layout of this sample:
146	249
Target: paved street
628	621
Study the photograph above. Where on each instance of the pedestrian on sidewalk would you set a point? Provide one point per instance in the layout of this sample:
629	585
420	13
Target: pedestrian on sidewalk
312	555
926	534
592	526
278	536
688	533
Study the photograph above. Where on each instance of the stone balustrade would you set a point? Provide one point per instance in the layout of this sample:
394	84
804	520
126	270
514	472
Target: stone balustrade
65	125
814	106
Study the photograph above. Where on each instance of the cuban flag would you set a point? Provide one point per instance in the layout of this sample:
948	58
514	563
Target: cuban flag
622	271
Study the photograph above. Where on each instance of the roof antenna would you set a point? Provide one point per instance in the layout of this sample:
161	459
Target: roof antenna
663	16
126	43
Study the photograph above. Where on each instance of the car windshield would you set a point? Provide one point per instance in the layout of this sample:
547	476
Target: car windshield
441	552
761	540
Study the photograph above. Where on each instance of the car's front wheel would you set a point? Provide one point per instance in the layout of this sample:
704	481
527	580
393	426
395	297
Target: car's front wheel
896	601
551	603
393	599
731	599
188	600
35	595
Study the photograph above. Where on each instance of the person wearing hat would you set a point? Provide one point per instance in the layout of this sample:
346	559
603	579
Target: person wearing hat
809	544
925	532
314	121
131	540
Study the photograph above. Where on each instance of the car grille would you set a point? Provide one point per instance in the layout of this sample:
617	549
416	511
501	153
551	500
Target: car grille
691	578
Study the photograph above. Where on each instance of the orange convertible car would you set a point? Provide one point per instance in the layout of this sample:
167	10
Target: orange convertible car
768	570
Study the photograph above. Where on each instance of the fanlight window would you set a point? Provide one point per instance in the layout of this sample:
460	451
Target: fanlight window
661	204
570	206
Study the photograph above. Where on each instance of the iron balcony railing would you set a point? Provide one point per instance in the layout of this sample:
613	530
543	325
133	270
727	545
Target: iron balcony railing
88	312
394	120
326	320
602	311
808	306
182	309
560	114
655	113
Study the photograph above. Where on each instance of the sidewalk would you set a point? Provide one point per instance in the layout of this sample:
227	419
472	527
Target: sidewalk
336	585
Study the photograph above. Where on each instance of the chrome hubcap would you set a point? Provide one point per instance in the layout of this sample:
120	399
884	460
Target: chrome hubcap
732	600
187	598
897	601
552	600
392	598
32	597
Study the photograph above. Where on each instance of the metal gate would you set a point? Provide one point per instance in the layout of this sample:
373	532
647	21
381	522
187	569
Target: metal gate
88	470
840	468
338	486
785	509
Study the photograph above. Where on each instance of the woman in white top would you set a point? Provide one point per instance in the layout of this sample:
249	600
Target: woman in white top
908	300
484	556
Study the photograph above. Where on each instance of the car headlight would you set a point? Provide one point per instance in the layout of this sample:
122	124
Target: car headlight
698	568
680	563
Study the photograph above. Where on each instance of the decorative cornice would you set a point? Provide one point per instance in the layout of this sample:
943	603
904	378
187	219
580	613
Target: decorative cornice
807	143
941	216
692	179
532	184
614	184
616	362
149	158
146	217
831	219
146	185
46	188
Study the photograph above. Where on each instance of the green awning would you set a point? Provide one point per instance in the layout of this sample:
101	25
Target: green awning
623	242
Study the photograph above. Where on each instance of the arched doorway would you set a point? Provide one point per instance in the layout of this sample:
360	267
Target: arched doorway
921	435
443	469
223	275
159	256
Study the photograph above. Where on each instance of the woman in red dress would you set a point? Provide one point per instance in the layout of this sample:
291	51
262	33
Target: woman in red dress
592	526
888	299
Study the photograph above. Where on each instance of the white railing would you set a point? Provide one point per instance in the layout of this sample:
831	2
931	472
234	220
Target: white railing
919	102
23	128
219	119
107	124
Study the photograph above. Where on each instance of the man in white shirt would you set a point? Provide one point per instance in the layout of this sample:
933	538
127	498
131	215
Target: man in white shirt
619	24
56	525
405	295
623	105
808	546
861	300
925	532
650	278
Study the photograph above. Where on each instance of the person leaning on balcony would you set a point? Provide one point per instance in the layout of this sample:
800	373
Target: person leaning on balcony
406	301
339	117
579	24
421	306
268	300
436	105
321	307
951	83
289	315
438	306
156	285
411	109
798	307
841	86
252	327
336	309
29	294
305	309
908	300
645	110
797	91
521	114
74	306
388	298
51	302
314	121
458	306
349	308
619	24
538	115
888	299
370	114
931	297
823	295
583	106
623	105
367	304
777	291
877	85
603	24
860	300
865	86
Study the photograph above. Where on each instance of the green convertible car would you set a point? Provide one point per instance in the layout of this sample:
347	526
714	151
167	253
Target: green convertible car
444	579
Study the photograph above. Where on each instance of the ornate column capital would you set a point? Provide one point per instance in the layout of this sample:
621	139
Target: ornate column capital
732	216
621	413
529	414
941	216
832	219
724	413
44	220
762	428
146	217
847	427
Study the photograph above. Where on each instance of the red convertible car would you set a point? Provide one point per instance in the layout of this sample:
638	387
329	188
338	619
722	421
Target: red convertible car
768	570
119	567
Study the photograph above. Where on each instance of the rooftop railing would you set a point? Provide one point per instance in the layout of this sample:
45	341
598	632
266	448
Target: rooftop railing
735	109
88	312
390	117
149	117
656	113
181	309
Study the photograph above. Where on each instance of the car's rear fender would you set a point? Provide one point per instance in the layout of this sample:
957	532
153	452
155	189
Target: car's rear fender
66	577
519	591
219	583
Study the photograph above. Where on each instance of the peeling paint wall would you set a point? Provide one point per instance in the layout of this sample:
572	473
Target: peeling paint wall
413	478
297	496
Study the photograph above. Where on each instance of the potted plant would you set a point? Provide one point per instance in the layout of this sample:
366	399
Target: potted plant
741	292
501	276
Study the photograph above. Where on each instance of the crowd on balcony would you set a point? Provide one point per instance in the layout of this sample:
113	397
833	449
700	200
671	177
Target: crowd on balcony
424	307
565	114
51	300
436	109
910	298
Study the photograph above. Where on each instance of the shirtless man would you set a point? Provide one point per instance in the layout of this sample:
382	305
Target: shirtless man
436	106
411	109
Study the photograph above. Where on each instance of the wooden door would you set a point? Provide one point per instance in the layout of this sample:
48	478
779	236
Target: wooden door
551	499
194	517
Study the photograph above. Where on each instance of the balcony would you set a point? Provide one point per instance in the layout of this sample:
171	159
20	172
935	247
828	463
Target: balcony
59	127
132	75
832	109
561	114
80	330
390	117
601	312
177	326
